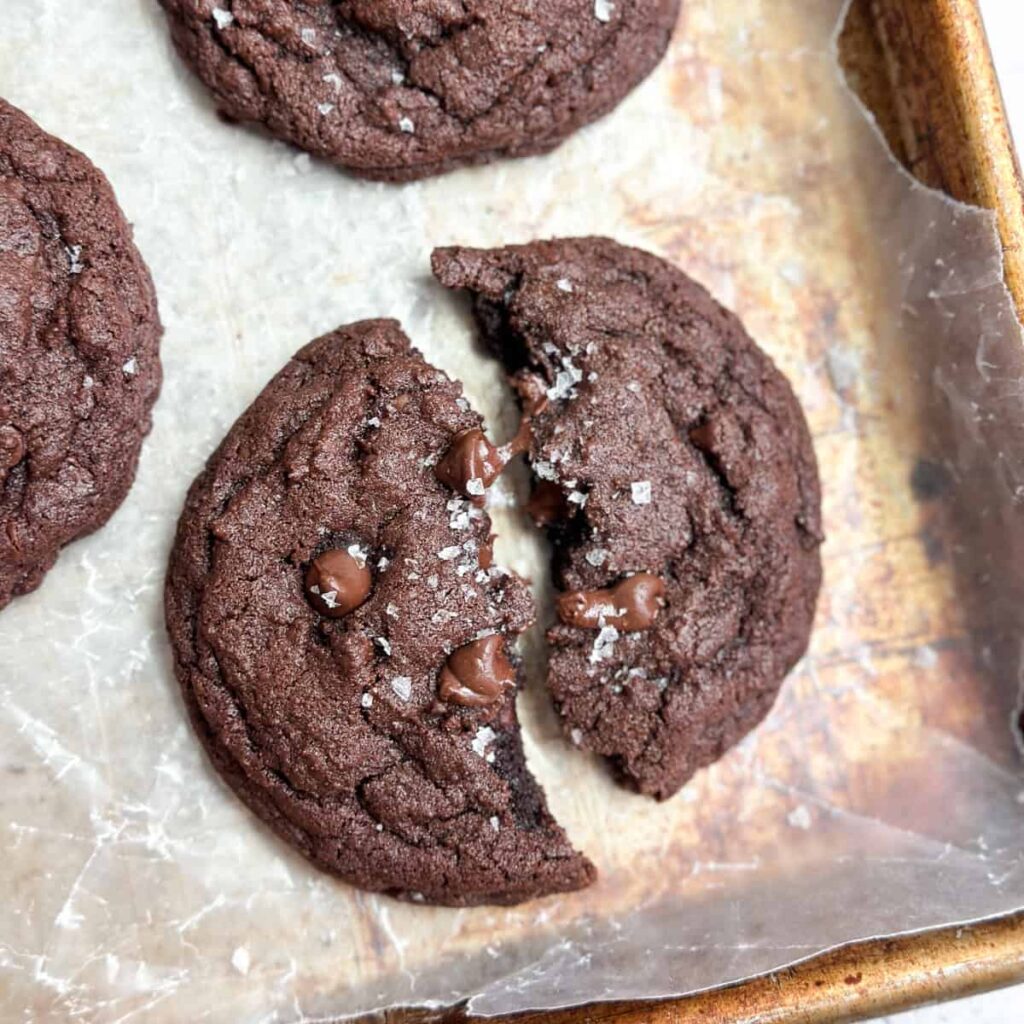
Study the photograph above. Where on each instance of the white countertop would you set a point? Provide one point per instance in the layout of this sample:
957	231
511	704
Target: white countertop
1004	20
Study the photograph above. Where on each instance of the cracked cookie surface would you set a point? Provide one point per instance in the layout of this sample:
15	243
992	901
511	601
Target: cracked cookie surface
667	444
79	351
335	728
403	89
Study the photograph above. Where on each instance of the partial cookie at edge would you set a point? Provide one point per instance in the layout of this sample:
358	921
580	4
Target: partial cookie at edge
79	351
396	90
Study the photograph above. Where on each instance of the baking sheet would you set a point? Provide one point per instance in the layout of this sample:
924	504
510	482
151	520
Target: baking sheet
884	794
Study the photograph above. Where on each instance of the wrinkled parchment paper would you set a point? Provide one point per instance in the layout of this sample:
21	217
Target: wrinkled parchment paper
884	794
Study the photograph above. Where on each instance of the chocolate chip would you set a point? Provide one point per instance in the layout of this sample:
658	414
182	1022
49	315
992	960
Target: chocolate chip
478	674
470	465
631	605
547	503
338	582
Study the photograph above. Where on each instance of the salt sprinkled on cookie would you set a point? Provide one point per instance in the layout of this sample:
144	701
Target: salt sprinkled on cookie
641	492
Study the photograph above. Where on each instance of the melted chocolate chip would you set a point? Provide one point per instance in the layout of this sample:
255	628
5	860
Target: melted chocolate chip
470	465
337	583
631	605
547	503
478	674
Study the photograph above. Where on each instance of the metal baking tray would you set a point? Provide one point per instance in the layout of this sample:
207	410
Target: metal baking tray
924	69
152	896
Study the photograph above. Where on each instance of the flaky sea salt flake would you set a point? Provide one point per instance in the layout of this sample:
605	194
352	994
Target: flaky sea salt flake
405	124
402	685
604	644
603	10
565	381
485	735
222	17
641	492
75	264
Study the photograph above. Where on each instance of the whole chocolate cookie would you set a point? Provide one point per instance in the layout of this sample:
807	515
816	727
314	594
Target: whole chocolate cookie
676	475
343	642
402	89
79	351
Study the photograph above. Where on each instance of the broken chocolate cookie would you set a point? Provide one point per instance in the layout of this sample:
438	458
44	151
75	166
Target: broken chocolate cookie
344	645
677	479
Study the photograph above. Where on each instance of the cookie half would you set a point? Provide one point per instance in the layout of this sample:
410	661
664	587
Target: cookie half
79	351
397	89
675	472
343	642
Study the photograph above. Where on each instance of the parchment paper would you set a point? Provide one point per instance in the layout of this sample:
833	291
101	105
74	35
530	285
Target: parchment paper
885	792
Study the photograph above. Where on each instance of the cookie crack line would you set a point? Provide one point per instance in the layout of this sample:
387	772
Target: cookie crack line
413	99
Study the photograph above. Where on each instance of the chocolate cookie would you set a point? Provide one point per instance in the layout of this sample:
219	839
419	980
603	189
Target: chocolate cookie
402	89
343	642
677	478
79	351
